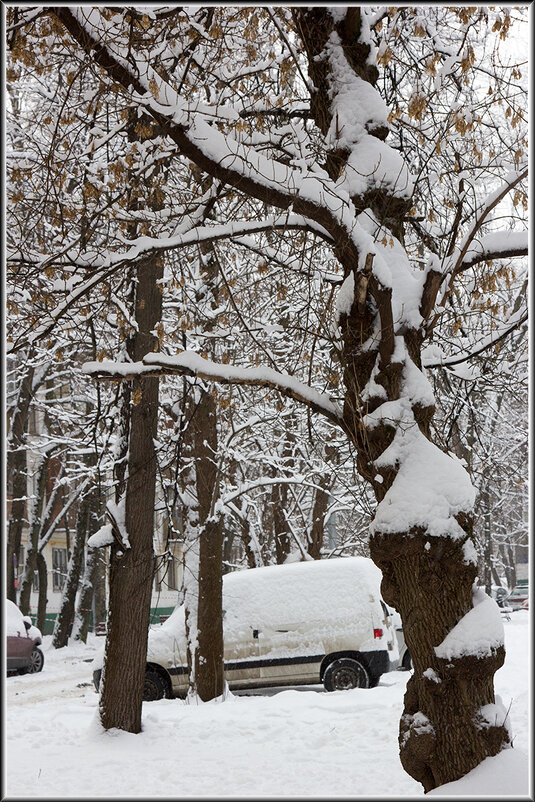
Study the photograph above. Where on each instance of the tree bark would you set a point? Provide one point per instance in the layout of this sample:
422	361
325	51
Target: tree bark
88	595
42	599
82	617
132	562
428	579
35	523
321	502
204	588
65	618
17	479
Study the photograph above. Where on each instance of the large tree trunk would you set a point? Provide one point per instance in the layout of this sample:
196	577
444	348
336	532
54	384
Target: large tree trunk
428	567
132	555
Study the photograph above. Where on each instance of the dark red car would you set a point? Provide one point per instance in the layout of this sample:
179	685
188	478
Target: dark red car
23	655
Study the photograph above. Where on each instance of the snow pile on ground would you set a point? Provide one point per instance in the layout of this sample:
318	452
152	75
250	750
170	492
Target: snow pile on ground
506	774
277	743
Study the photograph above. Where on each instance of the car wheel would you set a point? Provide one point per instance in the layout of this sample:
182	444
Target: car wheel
37	661
155	686
344	674
407	661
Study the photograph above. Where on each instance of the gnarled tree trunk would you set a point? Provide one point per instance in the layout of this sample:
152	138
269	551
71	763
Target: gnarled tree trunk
421	534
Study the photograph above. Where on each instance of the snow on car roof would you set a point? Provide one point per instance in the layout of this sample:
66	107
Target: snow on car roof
14	623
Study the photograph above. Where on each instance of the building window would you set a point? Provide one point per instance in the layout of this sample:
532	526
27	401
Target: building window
18	567
59	568
171	574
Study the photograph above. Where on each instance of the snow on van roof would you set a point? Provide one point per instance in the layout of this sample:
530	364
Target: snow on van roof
334	590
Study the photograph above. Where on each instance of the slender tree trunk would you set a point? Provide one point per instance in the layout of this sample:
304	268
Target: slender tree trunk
100	592
16	478
82	617
65	618
321	502
279	498
250	544
42	598
35	525
228	543
204	588
204	597
90	579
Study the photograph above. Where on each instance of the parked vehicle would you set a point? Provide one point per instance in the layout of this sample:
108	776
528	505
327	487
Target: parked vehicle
295	624
518	598
404	662
23	641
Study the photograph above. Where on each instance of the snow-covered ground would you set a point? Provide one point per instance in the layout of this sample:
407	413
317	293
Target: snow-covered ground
280	743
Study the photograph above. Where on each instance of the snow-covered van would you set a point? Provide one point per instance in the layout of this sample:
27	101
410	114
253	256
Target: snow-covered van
293	624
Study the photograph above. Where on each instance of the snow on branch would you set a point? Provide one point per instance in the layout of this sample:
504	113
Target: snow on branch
313	195
190	363
144	247
430	354
496	245
457	262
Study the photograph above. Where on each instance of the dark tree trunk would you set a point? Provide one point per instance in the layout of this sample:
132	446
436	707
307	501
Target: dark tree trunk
132	563
42	599
321	502
279	497
99	581
228	542
204	598
210	683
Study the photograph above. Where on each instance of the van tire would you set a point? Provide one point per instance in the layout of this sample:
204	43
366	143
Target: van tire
344	674
155	686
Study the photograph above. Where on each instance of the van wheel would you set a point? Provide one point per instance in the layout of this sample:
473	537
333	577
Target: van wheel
344	674
155	686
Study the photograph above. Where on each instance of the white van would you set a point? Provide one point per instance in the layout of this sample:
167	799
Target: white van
293	624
